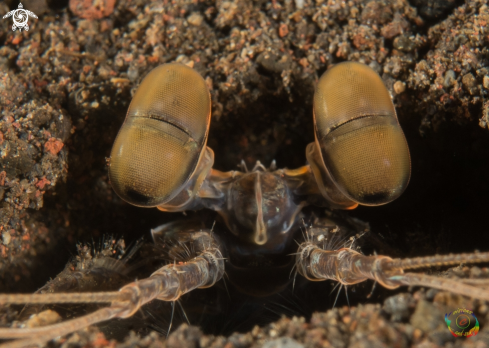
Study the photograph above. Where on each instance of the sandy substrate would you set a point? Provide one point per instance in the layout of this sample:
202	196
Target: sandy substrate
66	83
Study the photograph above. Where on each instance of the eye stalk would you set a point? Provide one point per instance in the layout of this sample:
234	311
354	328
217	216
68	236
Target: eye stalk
357	131
163	136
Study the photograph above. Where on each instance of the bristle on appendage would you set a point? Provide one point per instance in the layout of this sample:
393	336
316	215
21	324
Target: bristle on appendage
168	283
349	267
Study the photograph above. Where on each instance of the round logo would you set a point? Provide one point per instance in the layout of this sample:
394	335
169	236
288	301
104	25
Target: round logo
20	18
462	323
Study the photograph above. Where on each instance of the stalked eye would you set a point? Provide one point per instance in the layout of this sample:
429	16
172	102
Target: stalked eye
362	144
161	140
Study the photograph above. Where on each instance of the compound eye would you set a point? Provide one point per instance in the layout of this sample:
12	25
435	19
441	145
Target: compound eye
161	141
362	144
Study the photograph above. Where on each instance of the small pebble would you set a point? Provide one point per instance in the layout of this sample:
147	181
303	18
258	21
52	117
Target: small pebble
468	80
195	19
284	342
475	272
399	87
44	318
92	9
450	78
6	237
485	82
483	309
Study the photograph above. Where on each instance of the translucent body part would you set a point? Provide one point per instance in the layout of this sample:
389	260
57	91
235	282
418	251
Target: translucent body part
325	184
190	197
260	208
162	139
362	144
167	283
317	262
320	257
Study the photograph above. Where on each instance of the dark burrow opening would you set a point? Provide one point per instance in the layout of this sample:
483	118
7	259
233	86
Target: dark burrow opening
442	211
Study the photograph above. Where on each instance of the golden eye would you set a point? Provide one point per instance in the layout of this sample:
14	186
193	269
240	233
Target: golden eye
161	141
362	144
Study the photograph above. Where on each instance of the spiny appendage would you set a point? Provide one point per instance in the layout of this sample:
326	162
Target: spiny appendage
167	283
349	267
439	260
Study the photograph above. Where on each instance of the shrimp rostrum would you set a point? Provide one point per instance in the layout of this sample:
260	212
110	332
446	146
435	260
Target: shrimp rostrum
160	159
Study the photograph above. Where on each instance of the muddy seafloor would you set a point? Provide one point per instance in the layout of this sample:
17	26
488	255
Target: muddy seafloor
65	86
